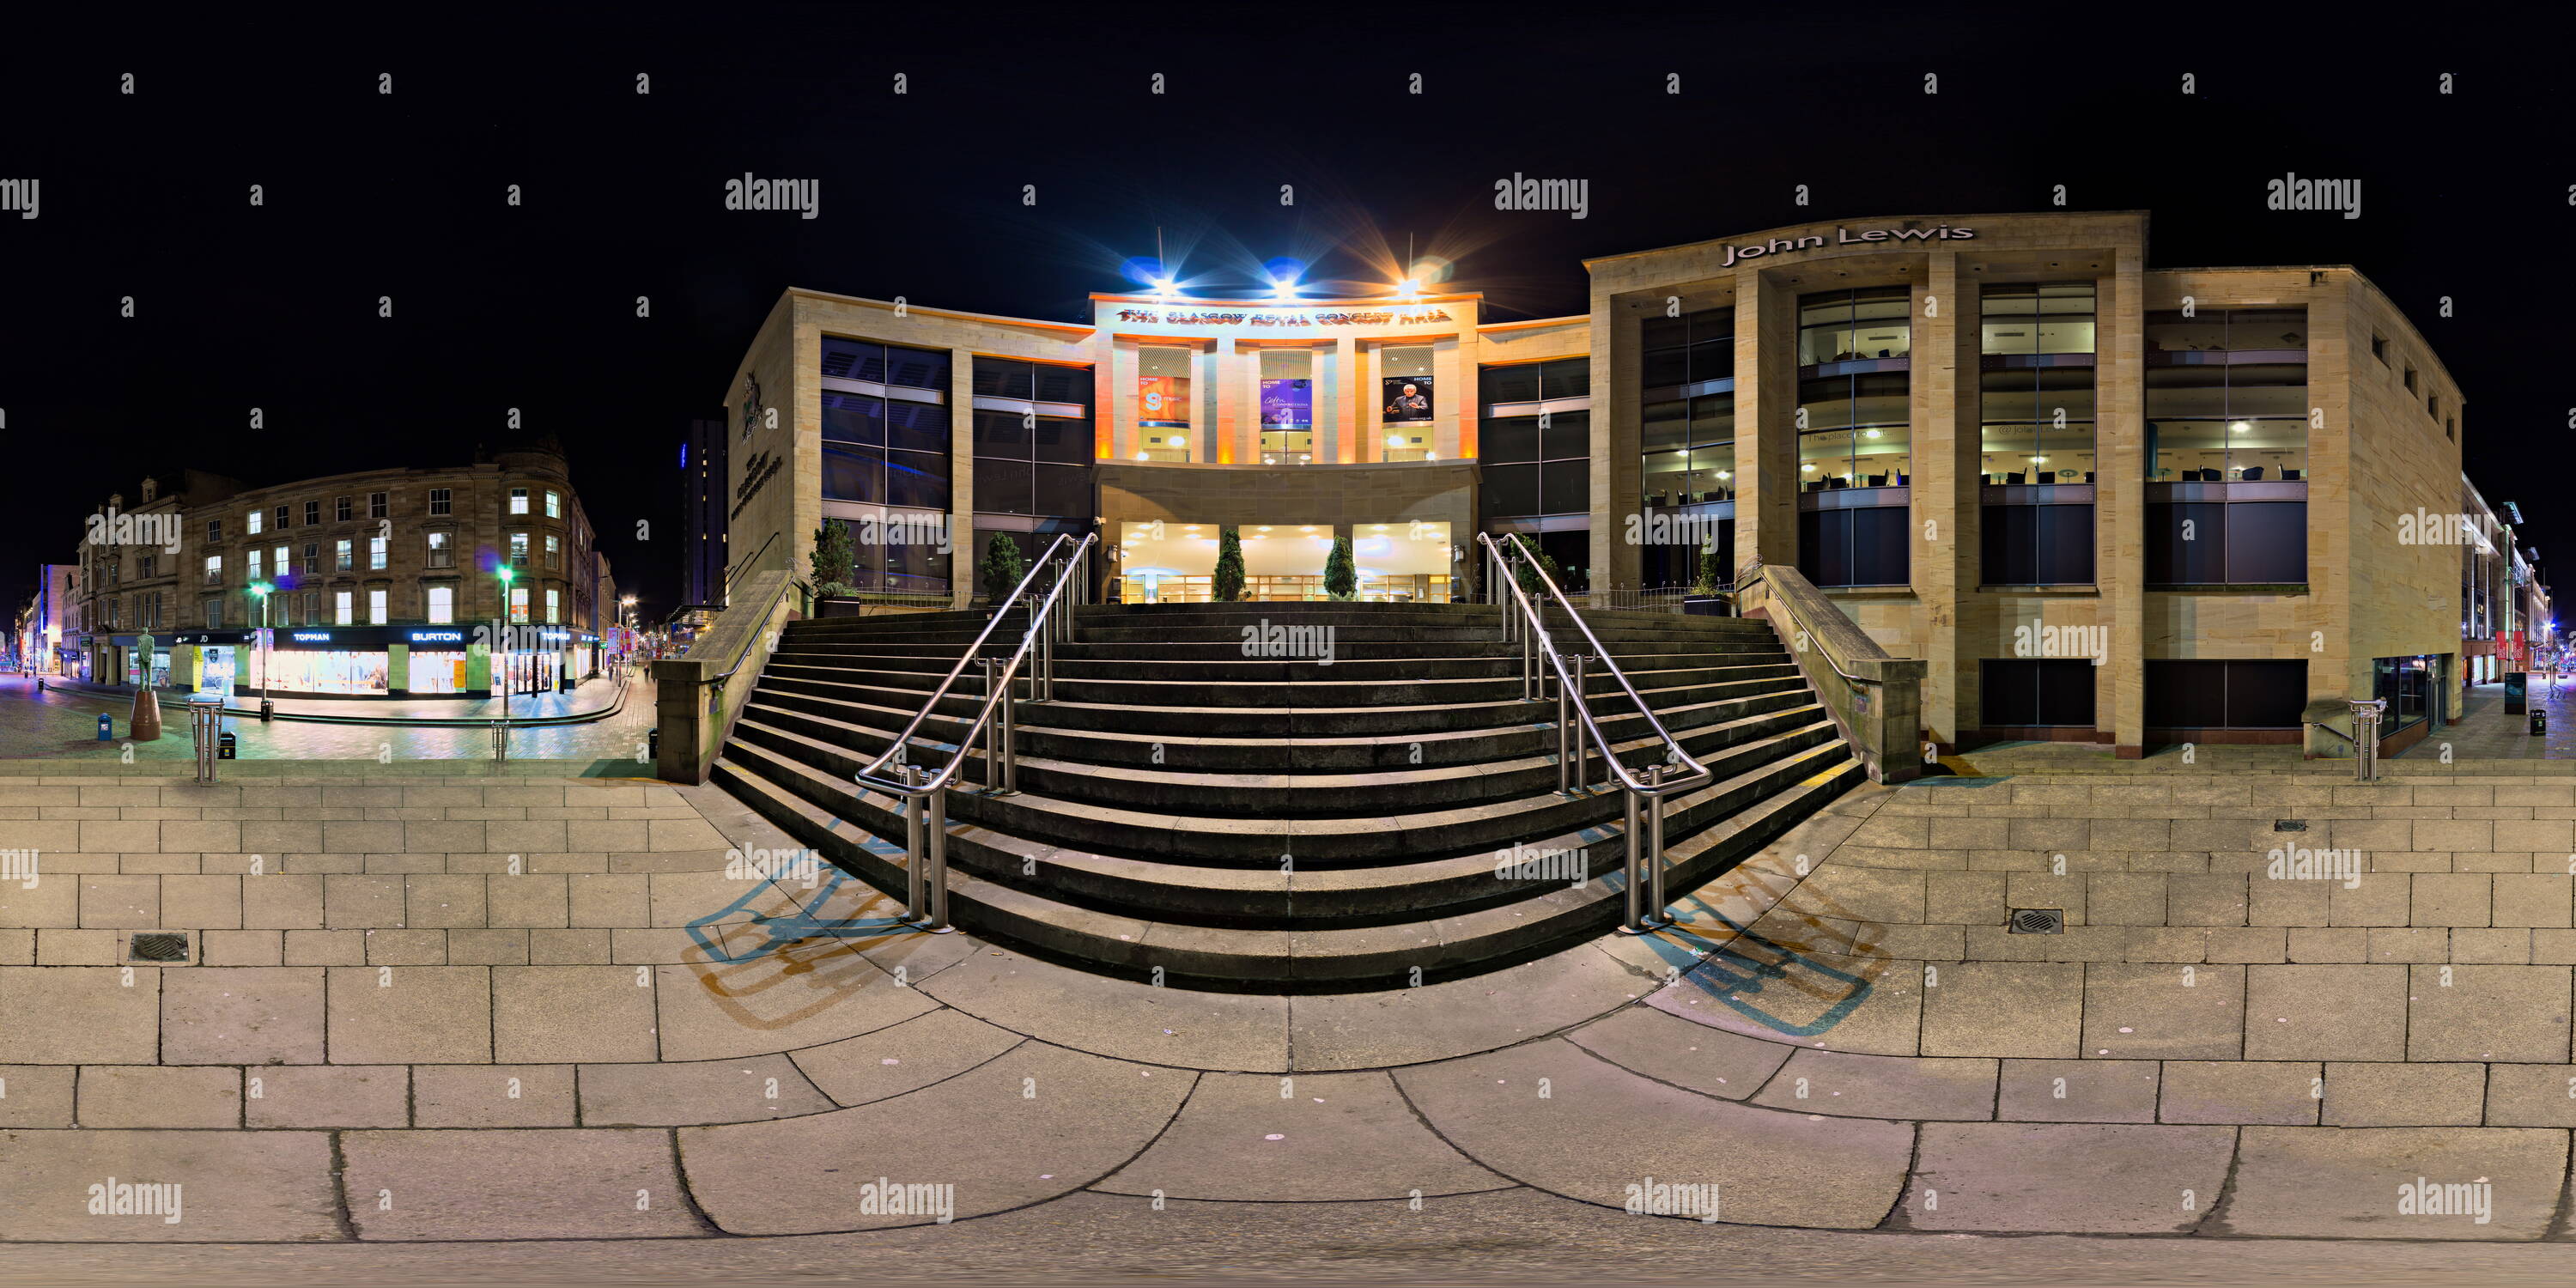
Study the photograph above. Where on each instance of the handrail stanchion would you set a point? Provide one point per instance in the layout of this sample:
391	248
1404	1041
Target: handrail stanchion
992	760
1007	716
938	874
1633	920
1565	741
1655	844
915	855
1582	749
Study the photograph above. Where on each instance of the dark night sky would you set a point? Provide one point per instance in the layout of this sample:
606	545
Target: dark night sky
2465	195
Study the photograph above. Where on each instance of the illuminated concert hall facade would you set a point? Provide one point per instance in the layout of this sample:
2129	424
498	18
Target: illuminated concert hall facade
2107	503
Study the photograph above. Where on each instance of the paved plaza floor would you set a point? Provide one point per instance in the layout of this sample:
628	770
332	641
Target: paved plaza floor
63	723
424	1009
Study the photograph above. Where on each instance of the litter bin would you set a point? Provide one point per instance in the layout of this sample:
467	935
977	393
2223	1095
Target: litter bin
2539	724
106	729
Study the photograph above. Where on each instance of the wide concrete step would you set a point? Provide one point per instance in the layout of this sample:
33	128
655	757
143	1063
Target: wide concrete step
1310	793
1057	922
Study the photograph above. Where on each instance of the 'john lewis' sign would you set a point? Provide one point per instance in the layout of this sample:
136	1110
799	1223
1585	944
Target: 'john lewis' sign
1846	237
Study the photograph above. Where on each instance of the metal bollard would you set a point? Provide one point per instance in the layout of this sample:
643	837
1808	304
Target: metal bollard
500	740
205	729
2365	738
1655	844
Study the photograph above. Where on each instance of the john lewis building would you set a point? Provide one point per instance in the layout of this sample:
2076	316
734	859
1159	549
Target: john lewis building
2107	503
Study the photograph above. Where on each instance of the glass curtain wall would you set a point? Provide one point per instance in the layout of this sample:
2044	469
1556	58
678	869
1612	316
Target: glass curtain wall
2036	391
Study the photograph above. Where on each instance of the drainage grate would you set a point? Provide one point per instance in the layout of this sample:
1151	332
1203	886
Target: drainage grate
2038	921
158	946
2289	825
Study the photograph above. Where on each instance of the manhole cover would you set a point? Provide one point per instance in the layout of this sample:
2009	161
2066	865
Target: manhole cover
158	946
2289	825
2039	921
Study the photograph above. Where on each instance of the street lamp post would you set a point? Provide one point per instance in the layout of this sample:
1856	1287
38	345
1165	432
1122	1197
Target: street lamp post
506	577
259	590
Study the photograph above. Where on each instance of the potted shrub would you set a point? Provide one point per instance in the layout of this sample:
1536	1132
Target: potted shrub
1704	600
1002	568
1527	575
1341	576
835	562
1229	566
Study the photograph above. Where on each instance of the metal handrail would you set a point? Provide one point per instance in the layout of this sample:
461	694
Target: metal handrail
924	796
866	773
1646	908
1700	774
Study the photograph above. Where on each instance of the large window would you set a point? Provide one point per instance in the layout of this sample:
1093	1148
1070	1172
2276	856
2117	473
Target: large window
2196	694
2018	693
2406	685
1163	396
442	605
2036	393
885	441
1688	440
1408	402
1534	439
1287	406
1033	438
1868	324
2224	541
2227	396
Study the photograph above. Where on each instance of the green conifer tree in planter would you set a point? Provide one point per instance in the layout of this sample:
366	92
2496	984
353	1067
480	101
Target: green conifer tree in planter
1229	566
1002	568
834	560
1341	576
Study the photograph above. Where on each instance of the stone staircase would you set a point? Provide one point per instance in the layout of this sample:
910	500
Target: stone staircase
1253	824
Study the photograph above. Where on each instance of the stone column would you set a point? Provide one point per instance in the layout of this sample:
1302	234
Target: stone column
1337	402
1945	475
1766	410
1224	399
2120	500
1617	462
961	484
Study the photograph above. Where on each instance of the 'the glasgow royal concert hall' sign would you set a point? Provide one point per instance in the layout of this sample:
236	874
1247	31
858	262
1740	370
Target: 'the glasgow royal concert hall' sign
1284	317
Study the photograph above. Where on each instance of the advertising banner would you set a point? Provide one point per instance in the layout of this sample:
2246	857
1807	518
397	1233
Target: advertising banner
1407	399
1159	402
1287	404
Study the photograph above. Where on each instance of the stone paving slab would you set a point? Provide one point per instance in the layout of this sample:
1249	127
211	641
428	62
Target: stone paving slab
1305	1137
2101	1179
902	1057
1669	1048
1578	1134
579	1184
2333	1182
713	1091
1040	1122
234	1186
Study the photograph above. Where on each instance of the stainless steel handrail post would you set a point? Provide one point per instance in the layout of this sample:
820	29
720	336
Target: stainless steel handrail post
938	875
1008	718
1632	921
1565	741
992	765
1655	844
1582	749
915	855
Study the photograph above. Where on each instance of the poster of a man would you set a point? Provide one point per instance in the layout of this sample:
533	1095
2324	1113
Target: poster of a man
1408	398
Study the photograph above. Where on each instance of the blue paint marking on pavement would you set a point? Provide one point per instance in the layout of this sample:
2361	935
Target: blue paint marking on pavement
783	929
1731	975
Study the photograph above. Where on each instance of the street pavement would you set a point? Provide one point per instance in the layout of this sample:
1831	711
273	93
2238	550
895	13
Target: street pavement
59	723
445	1011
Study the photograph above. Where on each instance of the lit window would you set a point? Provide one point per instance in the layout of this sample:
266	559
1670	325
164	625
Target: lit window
554	551
252	565
251	523
375	608
376	552
345	563
554	606
518	603
441	554
519	549
518	500
554	506
343	606
214	570
442	606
